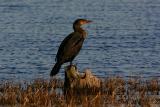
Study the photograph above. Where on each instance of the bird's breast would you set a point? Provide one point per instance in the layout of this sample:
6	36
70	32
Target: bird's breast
84	34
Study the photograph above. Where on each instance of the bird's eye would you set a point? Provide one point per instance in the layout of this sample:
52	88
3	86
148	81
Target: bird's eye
82	22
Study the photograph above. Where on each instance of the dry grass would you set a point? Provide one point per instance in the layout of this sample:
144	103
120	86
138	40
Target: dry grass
113	92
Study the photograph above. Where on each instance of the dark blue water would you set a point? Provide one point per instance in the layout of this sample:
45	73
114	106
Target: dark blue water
124	38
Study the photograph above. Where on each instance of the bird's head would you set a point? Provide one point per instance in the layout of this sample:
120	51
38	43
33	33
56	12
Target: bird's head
81	22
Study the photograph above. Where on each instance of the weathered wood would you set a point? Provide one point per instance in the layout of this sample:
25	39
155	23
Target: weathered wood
75	80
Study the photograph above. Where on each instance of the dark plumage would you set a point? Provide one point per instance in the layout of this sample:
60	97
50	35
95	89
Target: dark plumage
70	46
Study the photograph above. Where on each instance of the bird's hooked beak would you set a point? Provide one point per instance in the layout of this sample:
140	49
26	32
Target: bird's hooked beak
88	21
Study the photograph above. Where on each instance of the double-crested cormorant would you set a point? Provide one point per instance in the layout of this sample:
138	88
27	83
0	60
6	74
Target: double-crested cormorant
70	46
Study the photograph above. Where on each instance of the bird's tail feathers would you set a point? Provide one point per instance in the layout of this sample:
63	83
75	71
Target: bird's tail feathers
55	69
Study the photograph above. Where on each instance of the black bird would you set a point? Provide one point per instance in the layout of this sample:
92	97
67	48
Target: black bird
70	46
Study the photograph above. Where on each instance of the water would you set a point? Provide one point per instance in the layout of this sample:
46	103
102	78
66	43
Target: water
124	38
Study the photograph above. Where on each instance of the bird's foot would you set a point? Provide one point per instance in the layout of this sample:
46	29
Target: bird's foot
70	63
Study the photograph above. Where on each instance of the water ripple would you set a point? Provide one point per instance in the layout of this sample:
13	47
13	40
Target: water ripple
123	38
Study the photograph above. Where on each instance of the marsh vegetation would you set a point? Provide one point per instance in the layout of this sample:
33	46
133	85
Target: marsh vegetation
114	91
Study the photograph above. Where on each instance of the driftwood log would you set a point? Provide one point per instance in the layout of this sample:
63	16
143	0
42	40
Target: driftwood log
74	80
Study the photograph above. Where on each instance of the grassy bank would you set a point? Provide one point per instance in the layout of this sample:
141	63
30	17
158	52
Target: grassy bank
114	91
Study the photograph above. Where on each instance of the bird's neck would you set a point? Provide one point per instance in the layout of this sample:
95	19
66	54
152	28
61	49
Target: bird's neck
80	30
